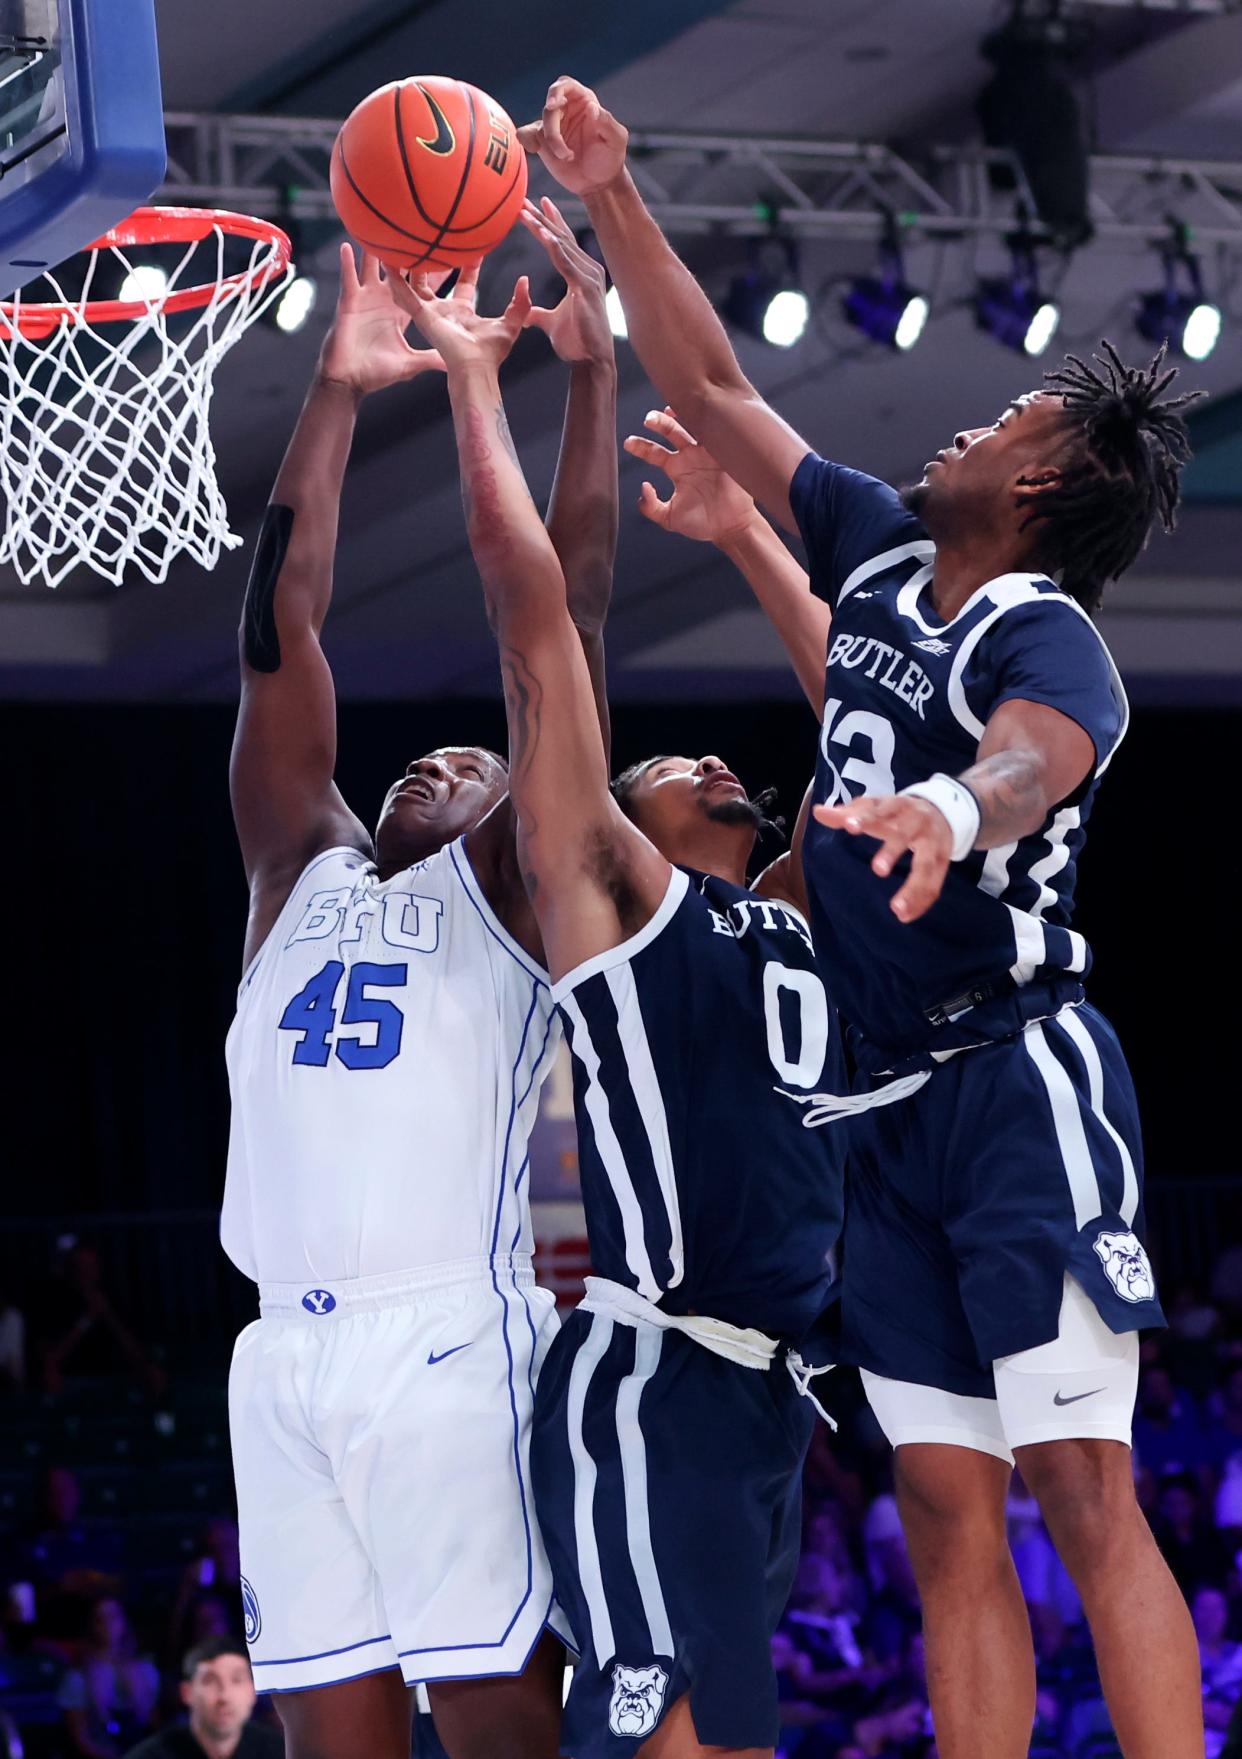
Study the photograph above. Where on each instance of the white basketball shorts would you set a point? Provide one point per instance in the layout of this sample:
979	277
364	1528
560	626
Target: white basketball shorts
1081	1384
380	1432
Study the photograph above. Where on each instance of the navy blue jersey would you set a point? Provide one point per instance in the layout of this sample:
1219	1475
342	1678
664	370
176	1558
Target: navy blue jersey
696	1046
906	695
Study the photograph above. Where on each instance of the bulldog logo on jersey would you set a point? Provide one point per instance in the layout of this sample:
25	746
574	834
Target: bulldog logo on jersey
250	1612
637	1699
1126	1265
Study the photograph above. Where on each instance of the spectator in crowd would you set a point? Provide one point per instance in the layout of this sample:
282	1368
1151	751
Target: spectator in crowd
83	1334
59	1547
208	1602
217	1689
1225	1448
1222	1664
109	1700
1167	1436
1193	1550
12	1349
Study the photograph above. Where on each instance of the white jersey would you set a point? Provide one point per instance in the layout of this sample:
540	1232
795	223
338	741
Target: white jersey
385	1065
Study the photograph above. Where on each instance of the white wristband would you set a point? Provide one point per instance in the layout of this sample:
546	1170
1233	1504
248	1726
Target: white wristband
957	804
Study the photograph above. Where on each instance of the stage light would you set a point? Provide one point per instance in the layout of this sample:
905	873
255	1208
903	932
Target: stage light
884	306
145	281
1180	315
296	304
786	317
1012	308
616	314
767	300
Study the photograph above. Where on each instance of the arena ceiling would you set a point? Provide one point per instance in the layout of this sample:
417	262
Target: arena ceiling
406	619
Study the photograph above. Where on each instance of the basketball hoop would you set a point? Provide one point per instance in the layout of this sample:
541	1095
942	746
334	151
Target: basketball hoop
105	450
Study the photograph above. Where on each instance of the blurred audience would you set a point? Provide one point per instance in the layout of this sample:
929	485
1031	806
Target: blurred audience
81	1332
109	1699
12	1350
848	1653
217	1689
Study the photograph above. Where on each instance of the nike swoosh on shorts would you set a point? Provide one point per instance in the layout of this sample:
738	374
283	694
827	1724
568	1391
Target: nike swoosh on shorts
432	1358
1073	1399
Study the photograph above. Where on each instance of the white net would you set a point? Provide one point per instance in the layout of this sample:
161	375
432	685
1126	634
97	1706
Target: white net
106	457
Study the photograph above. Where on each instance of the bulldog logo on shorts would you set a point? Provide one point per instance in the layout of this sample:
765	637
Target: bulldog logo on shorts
250	1611
1126	1265
637	1699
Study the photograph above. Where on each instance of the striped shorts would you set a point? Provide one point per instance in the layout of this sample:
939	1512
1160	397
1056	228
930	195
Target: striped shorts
668	1487
1017	1164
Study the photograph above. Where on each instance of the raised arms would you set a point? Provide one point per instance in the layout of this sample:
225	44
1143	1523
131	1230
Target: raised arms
708	505
672	326
286	805
592	877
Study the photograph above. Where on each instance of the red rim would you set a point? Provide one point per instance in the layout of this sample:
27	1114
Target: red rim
162	226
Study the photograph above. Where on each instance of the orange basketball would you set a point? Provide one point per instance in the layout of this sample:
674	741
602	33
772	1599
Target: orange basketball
428	173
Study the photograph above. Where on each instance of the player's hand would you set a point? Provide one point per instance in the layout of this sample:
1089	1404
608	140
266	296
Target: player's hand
366	349
705	503
578	327
581	143
903	824
455	327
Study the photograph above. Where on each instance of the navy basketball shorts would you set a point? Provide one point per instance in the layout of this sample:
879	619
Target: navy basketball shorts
668	1488
993	1243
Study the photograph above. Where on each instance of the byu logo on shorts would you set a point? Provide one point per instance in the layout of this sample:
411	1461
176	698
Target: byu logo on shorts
637	1699
1126	1265
319	1301
250	1612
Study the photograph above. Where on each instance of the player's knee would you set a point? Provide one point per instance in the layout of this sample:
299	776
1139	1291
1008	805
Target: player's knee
1085	1491
951	1518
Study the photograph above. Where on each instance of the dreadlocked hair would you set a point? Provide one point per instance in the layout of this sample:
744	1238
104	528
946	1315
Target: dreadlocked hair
1127	458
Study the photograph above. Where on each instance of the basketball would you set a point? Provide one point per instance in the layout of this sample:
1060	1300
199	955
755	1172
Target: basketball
428	173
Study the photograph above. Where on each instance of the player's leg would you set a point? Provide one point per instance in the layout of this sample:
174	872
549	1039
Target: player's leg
980	1658
434	1468
663	1474
905	1325
676	1738
517	1718
1085	1380
372	1715
316	1624
1066	1403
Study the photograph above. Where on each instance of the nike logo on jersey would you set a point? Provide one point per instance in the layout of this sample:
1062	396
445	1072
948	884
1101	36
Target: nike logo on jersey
444	141
432	1358
904	677
1073	1399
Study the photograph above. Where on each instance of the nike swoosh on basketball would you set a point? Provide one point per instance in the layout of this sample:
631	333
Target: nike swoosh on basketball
444	141
1073	1399
432	1358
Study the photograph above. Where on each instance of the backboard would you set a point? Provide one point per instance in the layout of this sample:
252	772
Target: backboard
81	126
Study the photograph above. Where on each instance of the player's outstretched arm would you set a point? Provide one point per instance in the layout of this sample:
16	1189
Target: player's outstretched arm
582	513
592	877
708	505
286	805
1031	758
672	325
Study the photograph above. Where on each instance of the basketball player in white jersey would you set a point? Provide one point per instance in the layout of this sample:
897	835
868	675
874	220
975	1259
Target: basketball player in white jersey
394	1026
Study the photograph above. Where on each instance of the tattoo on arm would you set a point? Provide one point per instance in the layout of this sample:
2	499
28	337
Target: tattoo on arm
485	514
524	704
261	641
1010	790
